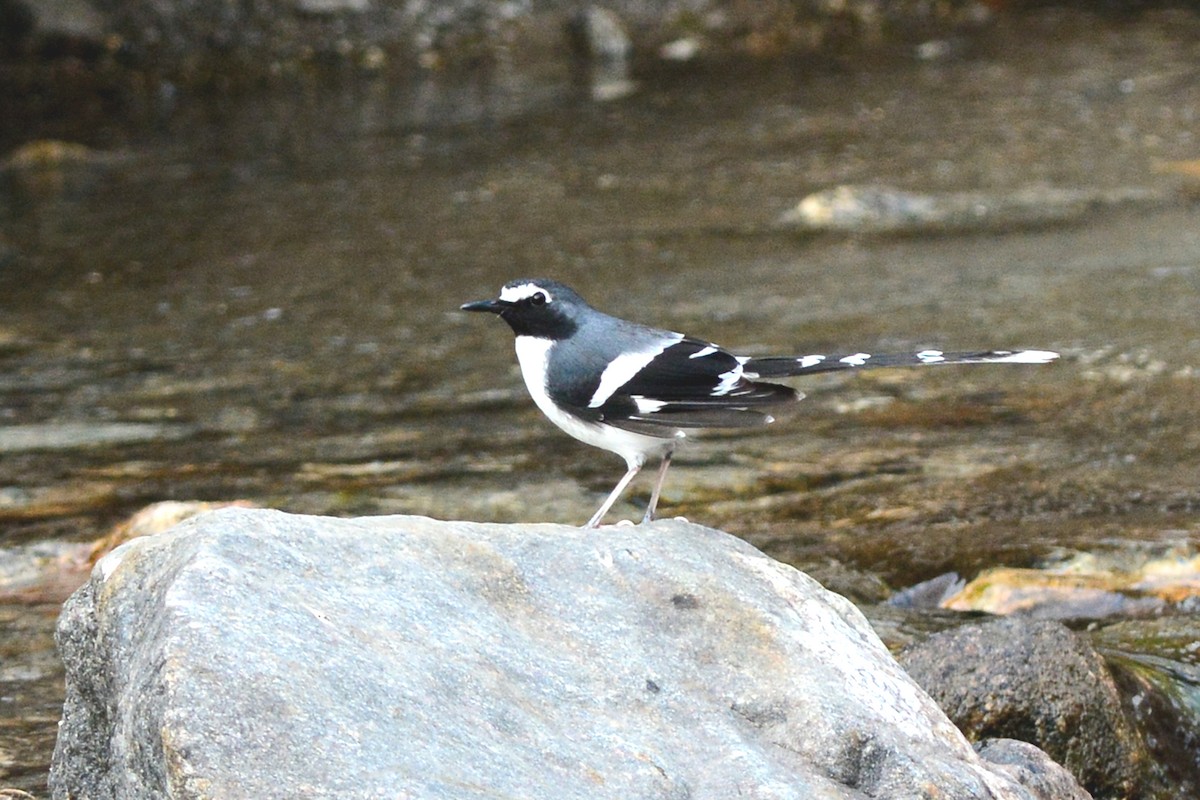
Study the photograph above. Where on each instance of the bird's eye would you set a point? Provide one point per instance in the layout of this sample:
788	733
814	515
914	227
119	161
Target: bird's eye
538	299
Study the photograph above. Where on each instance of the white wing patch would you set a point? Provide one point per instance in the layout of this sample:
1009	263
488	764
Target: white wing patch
729	380
856	360
931	356
522	291
622	369
1026	357
646	405
809	361
707	351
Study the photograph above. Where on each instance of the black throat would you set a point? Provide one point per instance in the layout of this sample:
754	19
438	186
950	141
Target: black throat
543	322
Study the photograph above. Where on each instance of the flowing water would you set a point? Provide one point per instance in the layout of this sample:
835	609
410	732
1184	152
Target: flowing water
256	298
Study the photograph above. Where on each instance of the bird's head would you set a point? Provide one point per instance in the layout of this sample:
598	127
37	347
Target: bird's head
535	307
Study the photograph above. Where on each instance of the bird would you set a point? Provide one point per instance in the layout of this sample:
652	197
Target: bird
637	391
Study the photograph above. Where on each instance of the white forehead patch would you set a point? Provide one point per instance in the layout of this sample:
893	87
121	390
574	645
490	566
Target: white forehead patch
523	291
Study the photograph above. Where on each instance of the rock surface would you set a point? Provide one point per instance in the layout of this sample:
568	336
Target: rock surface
256	654
1039	682
1030	766
886	209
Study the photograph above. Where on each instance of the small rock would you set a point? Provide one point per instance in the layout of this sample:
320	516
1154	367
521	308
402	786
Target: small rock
1044	595
1031	767
1038	682
80	435
1088	586
886	209
863	208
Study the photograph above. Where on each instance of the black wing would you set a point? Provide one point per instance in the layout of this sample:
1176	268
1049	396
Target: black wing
692	384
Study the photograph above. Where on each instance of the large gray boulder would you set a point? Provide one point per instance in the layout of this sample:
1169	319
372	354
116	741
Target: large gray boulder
256	654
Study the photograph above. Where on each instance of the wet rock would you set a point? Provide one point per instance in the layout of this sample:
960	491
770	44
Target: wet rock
1157	664
81	435
1031	767
1087	586
459	660
1045	595
886	209
1038	682
863	208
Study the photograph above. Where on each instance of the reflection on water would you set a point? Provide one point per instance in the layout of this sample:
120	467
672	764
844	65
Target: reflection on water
257	299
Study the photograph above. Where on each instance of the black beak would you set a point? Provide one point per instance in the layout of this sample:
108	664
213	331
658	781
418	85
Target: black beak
492	306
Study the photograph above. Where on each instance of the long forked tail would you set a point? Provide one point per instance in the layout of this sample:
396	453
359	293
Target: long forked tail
790	366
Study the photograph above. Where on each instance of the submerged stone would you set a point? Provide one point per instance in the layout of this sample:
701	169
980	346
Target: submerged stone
1088	586
887	209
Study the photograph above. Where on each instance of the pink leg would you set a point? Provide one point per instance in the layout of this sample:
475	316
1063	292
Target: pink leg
658	482
594	522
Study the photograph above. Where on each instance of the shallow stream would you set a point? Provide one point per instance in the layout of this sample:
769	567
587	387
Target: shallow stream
256	298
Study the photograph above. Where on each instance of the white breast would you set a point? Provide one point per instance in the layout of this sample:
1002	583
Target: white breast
533	354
